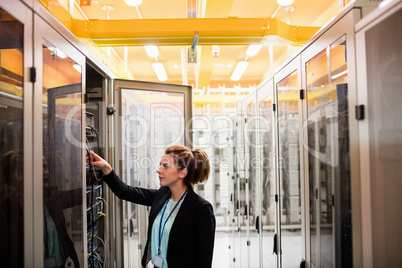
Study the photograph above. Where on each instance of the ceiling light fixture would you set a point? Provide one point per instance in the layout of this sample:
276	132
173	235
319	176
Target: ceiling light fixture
159	71
283	3
239	70
253	50
288	9
152	51
339	75
133	3
108	8
77	67
85	3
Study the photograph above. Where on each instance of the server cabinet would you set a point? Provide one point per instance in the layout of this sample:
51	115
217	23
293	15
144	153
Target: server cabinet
240	258
59	150
252	166
238	171
268	213
290	237
16	179
328	74
379	65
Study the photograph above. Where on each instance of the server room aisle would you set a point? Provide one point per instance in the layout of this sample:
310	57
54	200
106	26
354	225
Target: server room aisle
221	250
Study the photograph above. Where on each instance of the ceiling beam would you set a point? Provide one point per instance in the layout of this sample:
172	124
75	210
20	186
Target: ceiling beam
211	31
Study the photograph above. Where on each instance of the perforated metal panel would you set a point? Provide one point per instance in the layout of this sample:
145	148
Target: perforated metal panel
384	80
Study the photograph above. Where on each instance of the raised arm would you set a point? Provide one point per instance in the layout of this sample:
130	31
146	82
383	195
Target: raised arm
123	191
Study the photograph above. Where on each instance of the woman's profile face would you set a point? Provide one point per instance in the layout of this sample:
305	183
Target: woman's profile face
168	173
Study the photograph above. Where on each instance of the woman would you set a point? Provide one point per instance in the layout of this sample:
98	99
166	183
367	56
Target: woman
181	229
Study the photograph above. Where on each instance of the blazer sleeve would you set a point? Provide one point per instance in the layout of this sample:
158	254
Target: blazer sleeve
123	191
204	235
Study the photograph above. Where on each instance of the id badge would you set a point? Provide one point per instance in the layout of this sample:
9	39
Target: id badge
158	261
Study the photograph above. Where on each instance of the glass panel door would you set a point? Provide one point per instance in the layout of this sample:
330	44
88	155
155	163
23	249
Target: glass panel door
60	166
153	117
11	140
241	165
62	137
328	168
268	174
290	211
252	181
238	161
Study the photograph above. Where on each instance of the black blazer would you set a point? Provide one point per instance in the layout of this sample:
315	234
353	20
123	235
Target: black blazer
191	239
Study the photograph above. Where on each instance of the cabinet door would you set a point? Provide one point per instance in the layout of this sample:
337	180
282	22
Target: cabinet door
239	186
328	140
252	206
267	185
59	150
290	192
16	243
379	65
151	118
328	78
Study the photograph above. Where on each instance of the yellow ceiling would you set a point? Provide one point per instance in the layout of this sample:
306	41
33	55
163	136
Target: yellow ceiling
208	71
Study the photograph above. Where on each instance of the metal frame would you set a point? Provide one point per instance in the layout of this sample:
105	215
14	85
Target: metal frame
251	98
159	87
290	67
365	236
226	31
264	91
120	207
337	30
24	15
44	33
242	175
107	131
238	134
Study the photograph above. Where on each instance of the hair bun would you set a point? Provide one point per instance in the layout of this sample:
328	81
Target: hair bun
195	160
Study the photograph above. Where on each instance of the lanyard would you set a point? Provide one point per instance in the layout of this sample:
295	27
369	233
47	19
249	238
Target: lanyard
160	224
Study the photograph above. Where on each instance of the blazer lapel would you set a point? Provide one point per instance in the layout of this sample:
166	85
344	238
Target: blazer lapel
182	214
158	206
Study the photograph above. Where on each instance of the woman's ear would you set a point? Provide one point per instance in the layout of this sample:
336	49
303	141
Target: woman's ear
183	173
